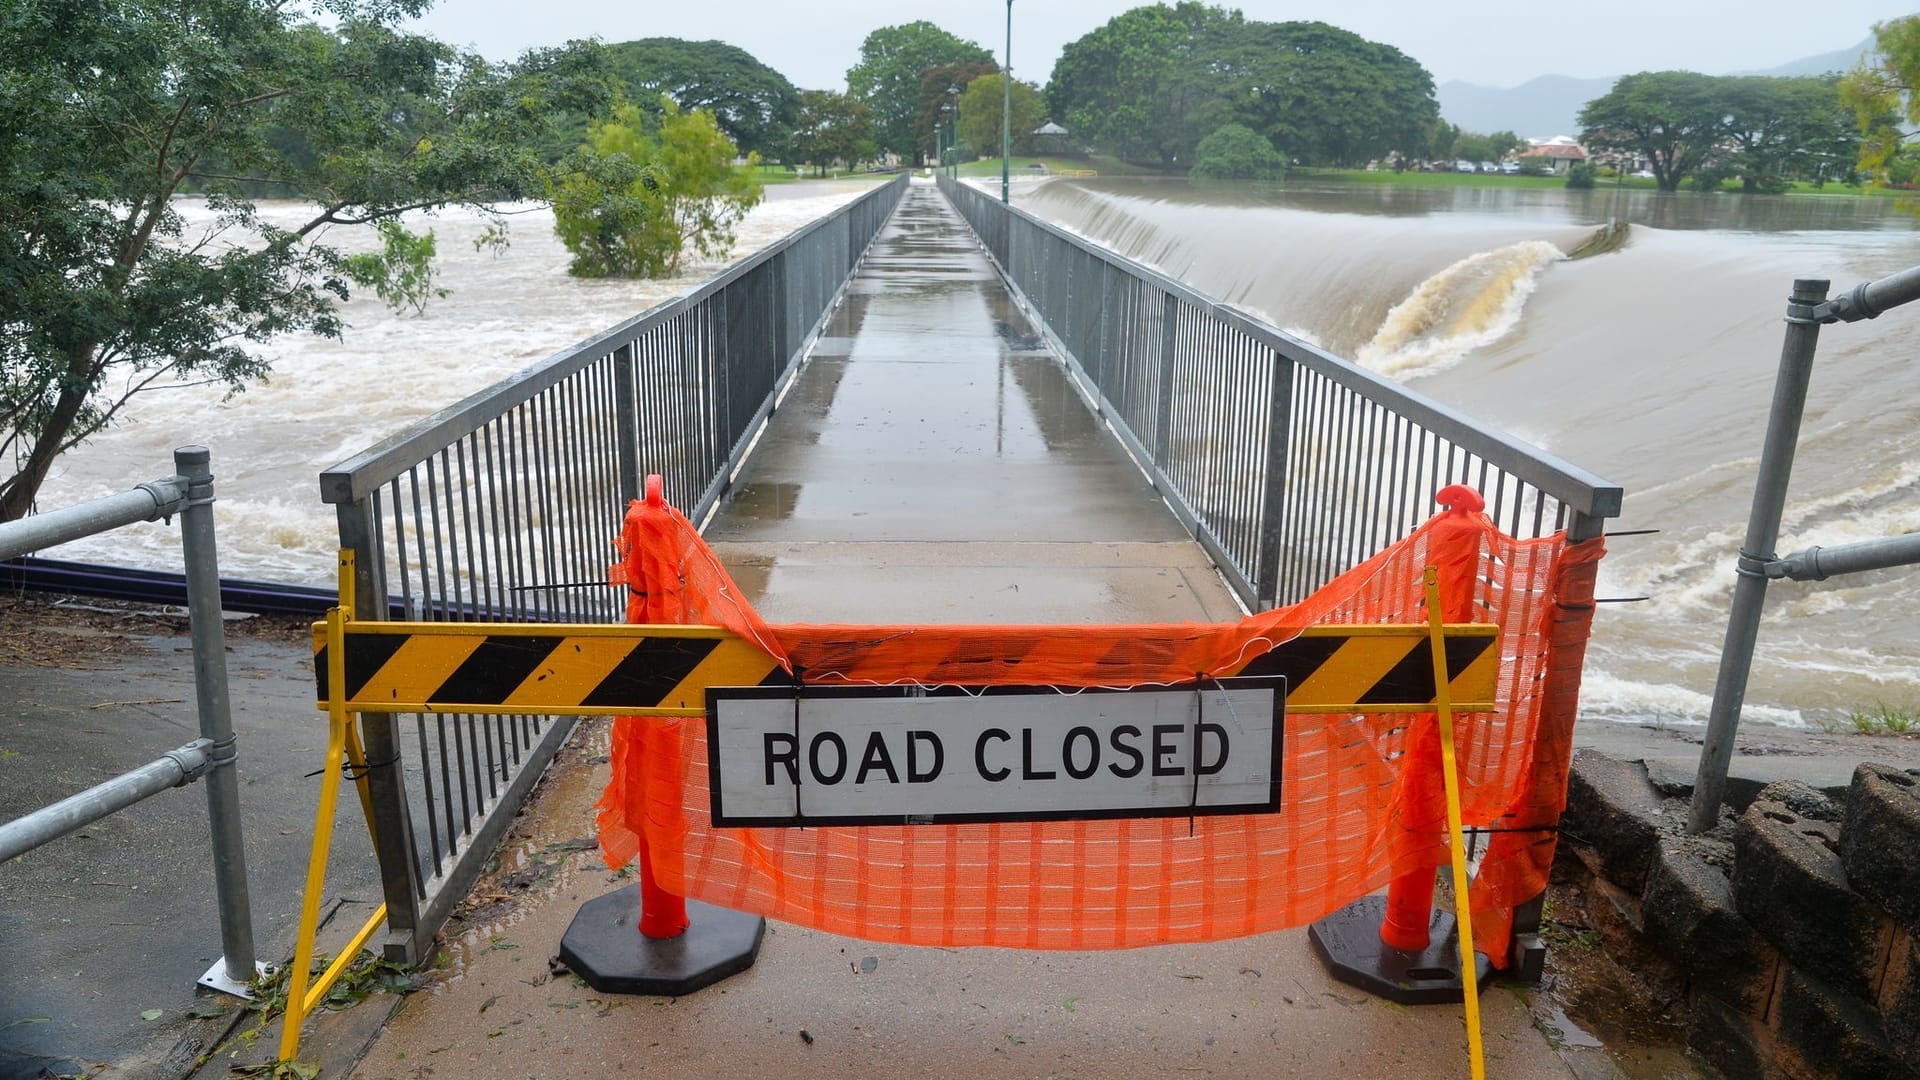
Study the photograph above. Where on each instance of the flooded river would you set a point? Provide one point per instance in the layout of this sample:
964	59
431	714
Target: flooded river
1651	365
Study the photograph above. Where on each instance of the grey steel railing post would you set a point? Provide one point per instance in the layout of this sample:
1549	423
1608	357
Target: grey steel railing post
627	420
1763	531
392	824
1163	409
216	717
1272	500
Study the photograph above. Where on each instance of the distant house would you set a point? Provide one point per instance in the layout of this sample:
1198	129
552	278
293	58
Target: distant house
1557	154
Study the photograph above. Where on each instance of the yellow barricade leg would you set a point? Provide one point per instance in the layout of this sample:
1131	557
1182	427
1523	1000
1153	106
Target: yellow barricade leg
322	837
1462	908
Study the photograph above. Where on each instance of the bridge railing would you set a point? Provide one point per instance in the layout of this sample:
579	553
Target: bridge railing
503	507
1288	464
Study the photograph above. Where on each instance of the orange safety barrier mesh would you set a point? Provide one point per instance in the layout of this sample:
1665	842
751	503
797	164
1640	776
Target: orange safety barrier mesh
1350	818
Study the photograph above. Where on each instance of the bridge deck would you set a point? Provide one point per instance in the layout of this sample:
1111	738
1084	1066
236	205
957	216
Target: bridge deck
932	464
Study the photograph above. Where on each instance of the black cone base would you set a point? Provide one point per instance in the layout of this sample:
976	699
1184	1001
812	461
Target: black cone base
605	947
1348	943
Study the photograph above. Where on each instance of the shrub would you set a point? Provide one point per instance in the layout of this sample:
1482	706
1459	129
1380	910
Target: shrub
644	189
1235	152
1580	176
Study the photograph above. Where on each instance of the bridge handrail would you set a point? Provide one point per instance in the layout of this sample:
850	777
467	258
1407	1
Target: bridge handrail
359	475
1212	402
502	508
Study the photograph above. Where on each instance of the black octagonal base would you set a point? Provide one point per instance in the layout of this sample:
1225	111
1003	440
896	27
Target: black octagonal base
605	947
1348	943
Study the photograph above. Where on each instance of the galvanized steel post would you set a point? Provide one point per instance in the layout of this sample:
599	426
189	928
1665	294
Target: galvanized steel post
216	719
1763	531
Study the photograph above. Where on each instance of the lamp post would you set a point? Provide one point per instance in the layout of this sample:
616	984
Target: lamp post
1006	110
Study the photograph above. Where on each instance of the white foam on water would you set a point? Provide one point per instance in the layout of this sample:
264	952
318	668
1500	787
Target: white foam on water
1470	304
326	400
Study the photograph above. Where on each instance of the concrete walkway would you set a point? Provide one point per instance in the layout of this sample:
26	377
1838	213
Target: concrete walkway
931	465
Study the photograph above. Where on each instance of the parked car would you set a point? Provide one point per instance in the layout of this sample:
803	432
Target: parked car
1463	166
1489	167
1510	168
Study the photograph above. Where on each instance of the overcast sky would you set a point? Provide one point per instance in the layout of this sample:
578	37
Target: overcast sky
1492	42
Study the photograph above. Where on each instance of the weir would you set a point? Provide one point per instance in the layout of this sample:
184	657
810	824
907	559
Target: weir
903	413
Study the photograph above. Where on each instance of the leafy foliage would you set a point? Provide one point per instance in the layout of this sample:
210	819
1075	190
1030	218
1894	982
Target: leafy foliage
888	79
1150	80
752	103
1673	118
1580	176
113	106
644	188
833	127
1757	128
942	88
1140	84
1884	96
401	273
1234	152
981	109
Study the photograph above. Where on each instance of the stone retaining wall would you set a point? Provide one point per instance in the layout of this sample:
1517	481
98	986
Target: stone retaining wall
1790	931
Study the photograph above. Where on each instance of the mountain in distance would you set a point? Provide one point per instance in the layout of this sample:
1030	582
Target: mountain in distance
1550	105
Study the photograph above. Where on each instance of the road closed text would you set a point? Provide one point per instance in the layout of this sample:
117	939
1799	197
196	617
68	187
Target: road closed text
889	755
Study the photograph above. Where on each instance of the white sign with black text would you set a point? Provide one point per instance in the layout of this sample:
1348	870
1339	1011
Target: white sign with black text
918	755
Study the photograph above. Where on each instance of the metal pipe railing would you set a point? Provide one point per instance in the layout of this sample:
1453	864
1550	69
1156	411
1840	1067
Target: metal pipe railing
175	768
1807	309
150	501
189	494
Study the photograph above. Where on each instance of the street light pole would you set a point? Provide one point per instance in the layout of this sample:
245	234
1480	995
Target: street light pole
1006	110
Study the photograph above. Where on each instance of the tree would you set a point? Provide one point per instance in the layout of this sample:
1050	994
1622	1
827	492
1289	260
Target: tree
1674	119
1472	146
644	188
1884	95
1141	85
1440	140
981	109
1331	97
112	106
832	127
1152	79
1234	152
1783	127
752	103
887	78
941	88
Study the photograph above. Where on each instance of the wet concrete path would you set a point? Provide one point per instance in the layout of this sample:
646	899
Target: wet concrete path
933	464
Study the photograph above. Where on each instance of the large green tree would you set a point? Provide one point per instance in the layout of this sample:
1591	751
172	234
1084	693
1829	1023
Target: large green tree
1675	119
982	108
832	127
1144	85
110	107
888	79
755	105
1329	96
1151	81
1783	127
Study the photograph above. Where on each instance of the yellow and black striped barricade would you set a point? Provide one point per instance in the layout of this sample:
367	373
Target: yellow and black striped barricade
628	670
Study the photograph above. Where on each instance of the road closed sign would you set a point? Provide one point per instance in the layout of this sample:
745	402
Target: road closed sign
927	755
